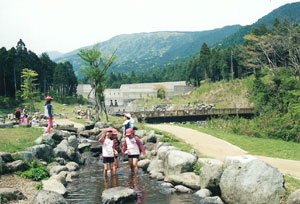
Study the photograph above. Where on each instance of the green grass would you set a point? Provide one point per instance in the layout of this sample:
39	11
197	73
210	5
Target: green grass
276	148
291	184
18	139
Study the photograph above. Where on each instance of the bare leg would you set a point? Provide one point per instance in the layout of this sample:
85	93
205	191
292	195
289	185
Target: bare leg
135	166
112	169
130	161
105	169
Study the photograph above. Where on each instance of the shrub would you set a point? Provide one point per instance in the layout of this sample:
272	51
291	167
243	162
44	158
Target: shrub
36	172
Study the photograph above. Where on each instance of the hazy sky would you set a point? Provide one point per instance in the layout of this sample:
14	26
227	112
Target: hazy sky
65	25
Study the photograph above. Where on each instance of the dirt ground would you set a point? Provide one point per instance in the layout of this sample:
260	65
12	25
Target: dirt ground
219	149
67	122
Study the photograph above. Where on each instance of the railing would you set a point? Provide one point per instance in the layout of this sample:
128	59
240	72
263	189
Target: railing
181	113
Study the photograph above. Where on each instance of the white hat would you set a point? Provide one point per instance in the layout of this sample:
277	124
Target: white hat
127	115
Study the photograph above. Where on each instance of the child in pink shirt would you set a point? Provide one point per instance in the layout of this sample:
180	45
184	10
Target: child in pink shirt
134	146
108	151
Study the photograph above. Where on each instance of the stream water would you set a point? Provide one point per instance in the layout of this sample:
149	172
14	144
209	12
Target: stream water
89	186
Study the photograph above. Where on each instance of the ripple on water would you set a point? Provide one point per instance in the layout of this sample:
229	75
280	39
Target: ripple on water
88	188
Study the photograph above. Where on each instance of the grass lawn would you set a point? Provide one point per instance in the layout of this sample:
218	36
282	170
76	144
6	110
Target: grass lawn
276	148
18	139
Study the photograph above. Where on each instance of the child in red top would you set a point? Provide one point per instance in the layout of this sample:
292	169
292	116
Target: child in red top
108	151
134	146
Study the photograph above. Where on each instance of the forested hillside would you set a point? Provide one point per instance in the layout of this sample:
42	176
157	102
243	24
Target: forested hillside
142	51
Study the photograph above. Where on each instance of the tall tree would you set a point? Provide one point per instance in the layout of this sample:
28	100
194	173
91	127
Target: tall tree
96	66
29	87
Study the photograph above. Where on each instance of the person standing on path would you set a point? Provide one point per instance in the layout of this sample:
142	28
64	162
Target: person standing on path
49	113
108	152
133	145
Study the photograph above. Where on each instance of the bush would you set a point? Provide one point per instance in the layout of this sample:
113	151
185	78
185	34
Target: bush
37	172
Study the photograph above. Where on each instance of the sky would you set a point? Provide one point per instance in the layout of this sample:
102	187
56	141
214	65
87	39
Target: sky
65	25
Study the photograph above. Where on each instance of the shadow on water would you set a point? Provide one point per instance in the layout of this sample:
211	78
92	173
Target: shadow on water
91	183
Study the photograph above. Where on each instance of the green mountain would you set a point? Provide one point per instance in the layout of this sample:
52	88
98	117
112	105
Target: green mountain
142	51
290	12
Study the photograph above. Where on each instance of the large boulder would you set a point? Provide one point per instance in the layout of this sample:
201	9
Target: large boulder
49	197
11	194
149	146
78	158
18	165
211	200
95	147
150	137
163	150
72	166
41	151
89	125
203	193
118	195
24	155
57	169
54	185
294	198
101	125
64	150
211	172
156	165
182	189
188	179
140	133
177	162
73	141
45	139
251	181
84	147
58	136
144	164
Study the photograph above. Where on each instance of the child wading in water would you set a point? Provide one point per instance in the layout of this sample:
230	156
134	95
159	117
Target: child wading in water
108	151
134	146
117	147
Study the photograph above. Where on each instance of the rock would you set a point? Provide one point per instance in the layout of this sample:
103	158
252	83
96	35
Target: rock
162	151
156	165
160	144
182	189
49	197
157	175
64	150
151	137
100	125
57	169
149	146
72	166
85	133
118	195
89	125
140	133
2	166
153	153
11	194
251	181
237	160
78	158
166	184
18	165
6	157
54	185
95	131
72	175
211	172
68	128
167	190
80	129
58	136
144	164
203	193
177	162
41	151
188	179
84	147
73	141
24	155
46	139
294	198
60	160
95	147
61	177
211	200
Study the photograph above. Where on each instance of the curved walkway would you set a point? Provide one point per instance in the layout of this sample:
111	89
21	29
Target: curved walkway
219	149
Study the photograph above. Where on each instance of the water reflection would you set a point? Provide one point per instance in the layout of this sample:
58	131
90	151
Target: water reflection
110	182
133	182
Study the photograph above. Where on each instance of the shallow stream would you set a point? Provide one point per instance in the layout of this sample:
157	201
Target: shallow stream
89	186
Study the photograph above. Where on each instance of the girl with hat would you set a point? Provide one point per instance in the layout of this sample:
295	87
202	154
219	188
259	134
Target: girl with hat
49	113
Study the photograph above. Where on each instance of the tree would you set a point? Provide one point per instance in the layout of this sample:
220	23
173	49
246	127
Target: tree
96	66
29	87
204	60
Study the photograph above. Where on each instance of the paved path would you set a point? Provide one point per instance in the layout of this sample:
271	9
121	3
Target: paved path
219	149
67	122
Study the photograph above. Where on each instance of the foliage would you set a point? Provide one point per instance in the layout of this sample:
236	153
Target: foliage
37	172
96	66
39	186
29	86
196	168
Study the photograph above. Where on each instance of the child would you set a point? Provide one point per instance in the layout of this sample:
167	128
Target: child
133	145
18	115
108	151
117	147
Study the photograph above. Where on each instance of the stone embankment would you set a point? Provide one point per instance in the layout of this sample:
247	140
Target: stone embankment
67	149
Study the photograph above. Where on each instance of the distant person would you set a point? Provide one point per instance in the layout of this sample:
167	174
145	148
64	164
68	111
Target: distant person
25	112
128	123
133	145
108	151
117	147
49	113
18	115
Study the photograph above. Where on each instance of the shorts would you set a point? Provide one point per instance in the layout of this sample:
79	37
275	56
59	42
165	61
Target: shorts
108	160
136	156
